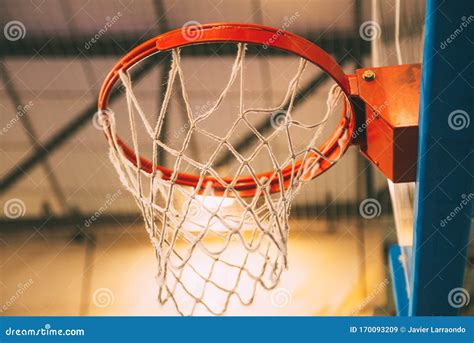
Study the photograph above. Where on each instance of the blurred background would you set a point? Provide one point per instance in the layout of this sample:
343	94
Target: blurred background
55	174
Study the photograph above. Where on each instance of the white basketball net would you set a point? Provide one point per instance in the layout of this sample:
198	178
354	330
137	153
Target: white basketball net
211	249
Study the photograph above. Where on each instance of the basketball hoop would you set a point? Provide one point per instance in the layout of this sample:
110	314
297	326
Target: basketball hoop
195	219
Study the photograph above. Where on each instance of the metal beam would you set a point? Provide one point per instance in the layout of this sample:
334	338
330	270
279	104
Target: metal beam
72	220
54	47
78	220
33	138
62	136
445	175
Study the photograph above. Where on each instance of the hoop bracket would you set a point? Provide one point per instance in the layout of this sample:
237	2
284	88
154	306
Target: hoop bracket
387	131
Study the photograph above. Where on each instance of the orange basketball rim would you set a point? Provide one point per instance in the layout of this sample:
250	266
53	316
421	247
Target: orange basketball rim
331	149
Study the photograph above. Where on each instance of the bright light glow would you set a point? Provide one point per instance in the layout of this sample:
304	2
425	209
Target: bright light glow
202	209
213	202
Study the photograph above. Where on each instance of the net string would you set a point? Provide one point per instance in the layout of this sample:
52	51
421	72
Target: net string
167	207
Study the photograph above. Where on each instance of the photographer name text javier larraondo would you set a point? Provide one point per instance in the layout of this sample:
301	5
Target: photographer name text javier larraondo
435	329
